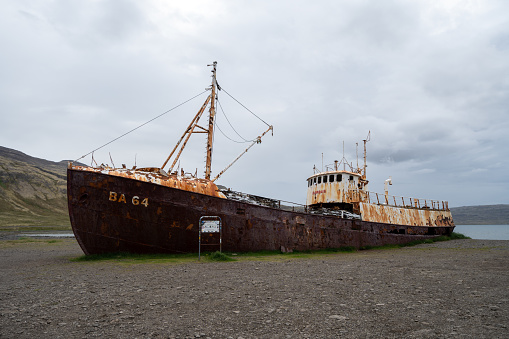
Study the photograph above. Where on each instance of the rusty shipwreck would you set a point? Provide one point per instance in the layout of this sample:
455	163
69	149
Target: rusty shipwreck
150	210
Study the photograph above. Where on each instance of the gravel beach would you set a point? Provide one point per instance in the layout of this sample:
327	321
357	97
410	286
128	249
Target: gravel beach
457	288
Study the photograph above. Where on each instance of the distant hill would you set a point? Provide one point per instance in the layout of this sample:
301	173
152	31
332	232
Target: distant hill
32	191
481	215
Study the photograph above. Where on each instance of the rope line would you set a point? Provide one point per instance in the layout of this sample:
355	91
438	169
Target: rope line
222	110
227	137
245	107
160	115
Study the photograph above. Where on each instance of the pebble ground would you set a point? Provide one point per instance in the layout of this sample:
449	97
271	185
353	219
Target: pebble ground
454	289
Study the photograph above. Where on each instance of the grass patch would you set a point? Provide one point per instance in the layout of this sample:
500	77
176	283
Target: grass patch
23	240
34	228
294	253
219	256
38	217
138	258
152	258
263	253
453	236
330	250
241	256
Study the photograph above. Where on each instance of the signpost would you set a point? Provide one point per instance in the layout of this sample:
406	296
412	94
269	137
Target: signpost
210	224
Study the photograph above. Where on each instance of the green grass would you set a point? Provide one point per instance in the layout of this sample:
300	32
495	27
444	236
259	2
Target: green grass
134	258
154	258
453	236
125	256
295	252
13	219
219	256
23	240
34	228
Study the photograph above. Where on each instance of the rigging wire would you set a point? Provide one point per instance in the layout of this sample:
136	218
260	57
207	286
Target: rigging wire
222	89
227	137
160	115
222	110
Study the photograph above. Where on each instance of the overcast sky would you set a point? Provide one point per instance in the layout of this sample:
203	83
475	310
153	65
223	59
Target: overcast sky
429	79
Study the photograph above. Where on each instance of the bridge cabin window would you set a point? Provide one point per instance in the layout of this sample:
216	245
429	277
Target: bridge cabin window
351	177
324	179
314	181
339	177
319	180
331	178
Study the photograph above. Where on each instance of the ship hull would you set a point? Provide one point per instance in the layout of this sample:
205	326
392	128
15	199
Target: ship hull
114	214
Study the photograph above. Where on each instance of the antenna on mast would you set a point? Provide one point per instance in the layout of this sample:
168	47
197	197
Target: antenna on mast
368	138
344	160
357	154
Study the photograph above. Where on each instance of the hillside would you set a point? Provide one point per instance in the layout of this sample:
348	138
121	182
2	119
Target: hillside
32	190
481	215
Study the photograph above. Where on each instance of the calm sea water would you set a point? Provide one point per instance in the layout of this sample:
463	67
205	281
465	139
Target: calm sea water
491	232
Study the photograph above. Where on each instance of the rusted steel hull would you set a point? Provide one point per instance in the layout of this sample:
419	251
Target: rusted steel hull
405	216
109	214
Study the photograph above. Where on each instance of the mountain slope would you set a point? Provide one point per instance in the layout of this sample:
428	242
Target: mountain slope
481	215
32	190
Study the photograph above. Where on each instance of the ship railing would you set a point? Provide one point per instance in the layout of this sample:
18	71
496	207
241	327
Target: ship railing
263	201
293	206
397	201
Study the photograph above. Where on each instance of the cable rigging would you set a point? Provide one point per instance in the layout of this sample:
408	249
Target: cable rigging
222	89
123	135
239	142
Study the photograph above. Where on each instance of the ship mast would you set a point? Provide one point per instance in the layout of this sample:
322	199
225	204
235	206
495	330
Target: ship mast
195	128
210	131
368	138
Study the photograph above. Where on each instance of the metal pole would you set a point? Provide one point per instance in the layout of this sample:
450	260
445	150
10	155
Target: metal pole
199	240
212	113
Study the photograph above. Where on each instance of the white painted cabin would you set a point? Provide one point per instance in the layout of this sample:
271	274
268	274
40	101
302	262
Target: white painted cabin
334	187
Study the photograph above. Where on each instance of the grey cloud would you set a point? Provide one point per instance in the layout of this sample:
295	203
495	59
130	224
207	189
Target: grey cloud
428	80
